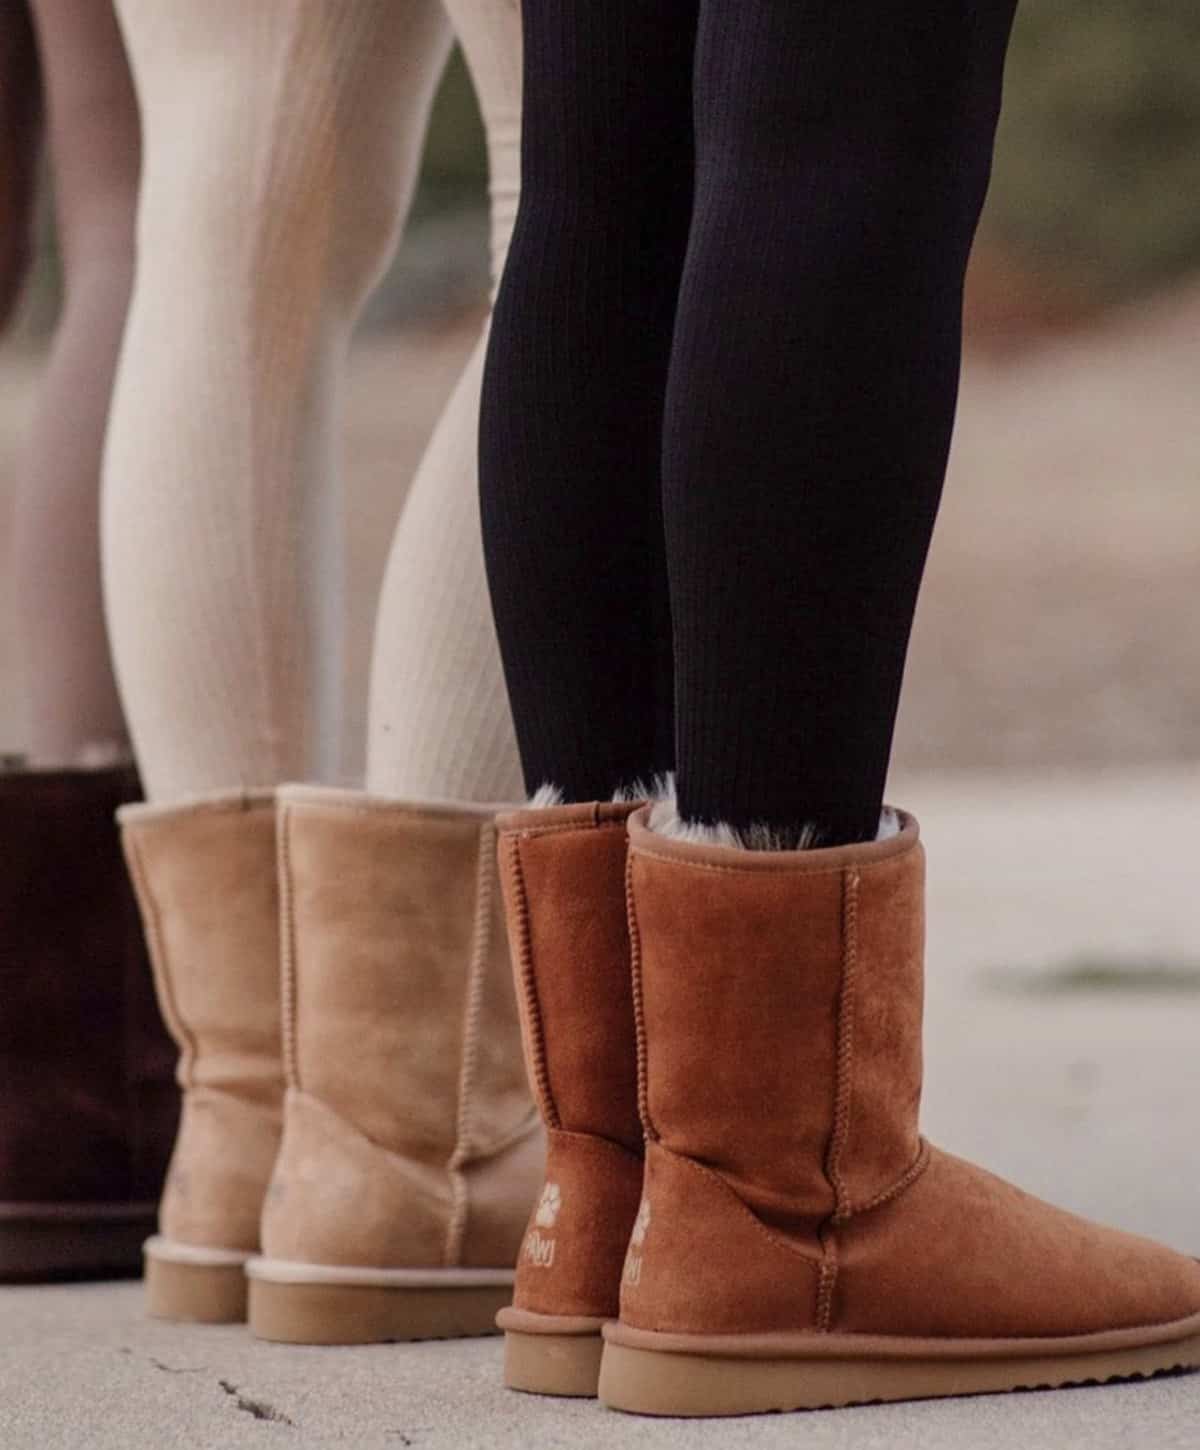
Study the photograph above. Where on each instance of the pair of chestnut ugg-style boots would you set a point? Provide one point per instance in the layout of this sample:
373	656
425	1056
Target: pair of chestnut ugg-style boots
739	1213
730	1208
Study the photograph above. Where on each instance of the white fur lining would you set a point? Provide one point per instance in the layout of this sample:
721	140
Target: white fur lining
665	820
549	795
546	797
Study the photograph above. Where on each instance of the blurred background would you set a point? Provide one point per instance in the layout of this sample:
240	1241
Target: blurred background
1057	623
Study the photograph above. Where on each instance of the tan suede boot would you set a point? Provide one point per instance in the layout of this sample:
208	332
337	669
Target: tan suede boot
411	1148
798	1244
563	872
205	876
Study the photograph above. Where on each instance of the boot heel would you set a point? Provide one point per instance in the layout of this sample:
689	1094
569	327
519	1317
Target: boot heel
325	1310
193	1285
553	1364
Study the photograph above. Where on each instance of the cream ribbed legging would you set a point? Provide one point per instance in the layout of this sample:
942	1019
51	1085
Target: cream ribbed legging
281	141
439	722
73	713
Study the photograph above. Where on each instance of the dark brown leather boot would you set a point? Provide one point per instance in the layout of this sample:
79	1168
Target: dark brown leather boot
88	1102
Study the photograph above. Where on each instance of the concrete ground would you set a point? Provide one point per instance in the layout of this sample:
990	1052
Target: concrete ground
1062	1037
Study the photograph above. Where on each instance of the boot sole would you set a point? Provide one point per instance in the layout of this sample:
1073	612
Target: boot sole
325	1304
551	1354
194	1285
41	1241
662	1381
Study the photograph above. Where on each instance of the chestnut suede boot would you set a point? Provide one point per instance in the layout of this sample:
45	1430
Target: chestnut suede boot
411	1148
88	1102
563	873
205	876
798	1244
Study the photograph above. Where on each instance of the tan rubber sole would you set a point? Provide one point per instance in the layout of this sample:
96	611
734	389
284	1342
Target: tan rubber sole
195	1293
371	1314
551	1354
658	1382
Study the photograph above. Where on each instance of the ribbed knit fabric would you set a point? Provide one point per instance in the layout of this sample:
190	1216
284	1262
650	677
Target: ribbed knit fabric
439	724
281	146
572	399
73	713
841	156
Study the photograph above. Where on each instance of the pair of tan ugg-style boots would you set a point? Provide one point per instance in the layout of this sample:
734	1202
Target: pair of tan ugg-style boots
357	1149
736	1212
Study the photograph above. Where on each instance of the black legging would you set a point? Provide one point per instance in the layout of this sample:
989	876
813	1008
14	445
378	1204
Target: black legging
721	386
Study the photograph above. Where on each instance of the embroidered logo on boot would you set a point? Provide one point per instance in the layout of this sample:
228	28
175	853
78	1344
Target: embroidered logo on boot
539	1251
539	1248
548	1206
633	1260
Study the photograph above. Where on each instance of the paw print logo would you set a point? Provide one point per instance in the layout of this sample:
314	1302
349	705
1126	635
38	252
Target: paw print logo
641	1224
548	1206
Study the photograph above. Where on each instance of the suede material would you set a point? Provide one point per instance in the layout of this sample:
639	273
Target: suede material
86	1064
338	1198
882	1017
381	922
707	1264
403	1041
563	874
498	1193
577	1236
963	1254
223	1160
729	956
497	1104
205	876
787	1188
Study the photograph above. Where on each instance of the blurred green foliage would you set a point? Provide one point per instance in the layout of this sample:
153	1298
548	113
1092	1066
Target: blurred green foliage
455	169
1098	163
1097	178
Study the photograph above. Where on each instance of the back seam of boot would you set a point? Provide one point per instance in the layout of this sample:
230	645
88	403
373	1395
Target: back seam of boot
158	960
481	941
287	947
639	1006
842	1102
522	948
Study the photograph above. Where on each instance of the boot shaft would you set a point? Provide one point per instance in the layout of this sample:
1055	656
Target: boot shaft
779	1016
206	881
398	1004
563	877
563	873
